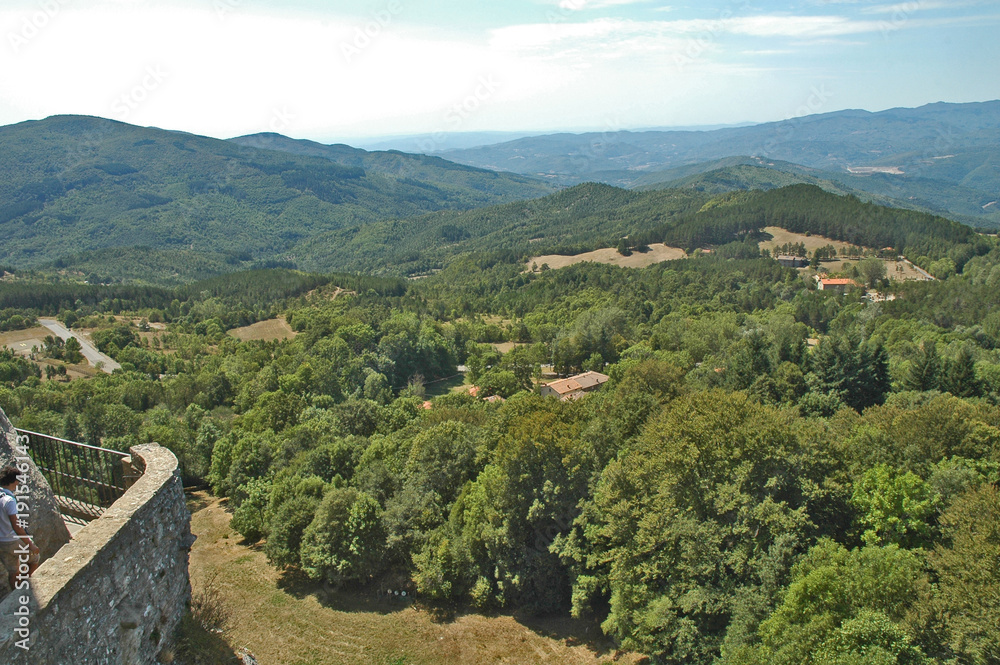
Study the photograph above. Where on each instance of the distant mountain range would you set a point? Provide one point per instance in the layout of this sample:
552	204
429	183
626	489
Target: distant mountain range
944	158
72	185
114	201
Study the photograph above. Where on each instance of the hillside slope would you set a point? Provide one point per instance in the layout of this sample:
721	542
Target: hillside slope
948	155
72	184
592	215
914	193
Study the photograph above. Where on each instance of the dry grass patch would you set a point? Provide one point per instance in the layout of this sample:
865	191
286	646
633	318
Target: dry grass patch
506	347
267	331
21	341
780	236
899	271
657	253
287	620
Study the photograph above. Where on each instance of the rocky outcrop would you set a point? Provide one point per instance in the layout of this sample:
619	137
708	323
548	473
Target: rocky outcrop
45	522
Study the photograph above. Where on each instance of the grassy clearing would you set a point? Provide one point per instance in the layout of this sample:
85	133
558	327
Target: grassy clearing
268	331
780	236
657	253
899	271
21	341
284	619
895	270
444	386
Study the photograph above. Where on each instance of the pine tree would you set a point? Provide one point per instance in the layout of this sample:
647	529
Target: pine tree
924	369
958	376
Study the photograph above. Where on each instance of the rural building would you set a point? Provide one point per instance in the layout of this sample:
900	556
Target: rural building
575	387
789	261
839	285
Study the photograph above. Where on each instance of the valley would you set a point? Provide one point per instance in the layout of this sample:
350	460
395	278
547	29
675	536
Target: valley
581	424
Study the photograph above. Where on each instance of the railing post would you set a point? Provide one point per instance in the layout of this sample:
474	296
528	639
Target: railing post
129	473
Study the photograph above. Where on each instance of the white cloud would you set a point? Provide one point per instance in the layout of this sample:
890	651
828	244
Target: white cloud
238	74
187	66
621	31
914	6
580	5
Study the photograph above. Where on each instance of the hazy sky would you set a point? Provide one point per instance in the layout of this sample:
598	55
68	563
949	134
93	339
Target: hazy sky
331	70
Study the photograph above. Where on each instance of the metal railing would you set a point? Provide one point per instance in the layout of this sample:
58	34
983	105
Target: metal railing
85	479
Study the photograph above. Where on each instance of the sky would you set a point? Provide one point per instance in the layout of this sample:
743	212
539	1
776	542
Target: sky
333	71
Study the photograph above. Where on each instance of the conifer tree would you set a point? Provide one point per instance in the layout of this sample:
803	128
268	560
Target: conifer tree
958	376
923	371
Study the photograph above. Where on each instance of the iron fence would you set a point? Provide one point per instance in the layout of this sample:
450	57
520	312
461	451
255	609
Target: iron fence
85	479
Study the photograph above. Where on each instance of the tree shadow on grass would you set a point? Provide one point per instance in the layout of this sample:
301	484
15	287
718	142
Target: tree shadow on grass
573	633
197	500
198	646
560	628
346	597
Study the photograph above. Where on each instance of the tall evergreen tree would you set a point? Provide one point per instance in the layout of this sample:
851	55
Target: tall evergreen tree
923	371
855	370
958	376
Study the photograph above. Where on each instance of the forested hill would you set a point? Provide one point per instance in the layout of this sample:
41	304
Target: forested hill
72	183
591	215
423	168
939	157
958	201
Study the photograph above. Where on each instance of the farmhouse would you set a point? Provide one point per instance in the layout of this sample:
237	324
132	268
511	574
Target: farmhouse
575	387
839	285
789	261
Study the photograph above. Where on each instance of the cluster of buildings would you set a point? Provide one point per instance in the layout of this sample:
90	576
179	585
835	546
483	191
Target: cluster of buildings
574	387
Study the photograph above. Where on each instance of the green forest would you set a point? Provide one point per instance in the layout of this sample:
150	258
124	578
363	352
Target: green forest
773	474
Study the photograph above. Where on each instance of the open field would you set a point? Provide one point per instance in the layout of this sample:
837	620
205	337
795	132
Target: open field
657	253
506	347
284	619
73	372
900	271
780	236
268	331
444	386
21	341
895	270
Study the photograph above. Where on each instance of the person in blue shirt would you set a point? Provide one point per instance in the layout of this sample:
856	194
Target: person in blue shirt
16	546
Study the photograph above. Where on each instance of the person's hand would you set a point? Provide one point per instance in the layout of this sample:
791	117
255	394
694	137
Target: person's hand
32	547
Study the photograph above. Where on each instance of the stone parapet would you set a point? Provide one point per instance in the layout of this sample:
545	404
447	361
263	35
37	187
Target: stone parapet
115	593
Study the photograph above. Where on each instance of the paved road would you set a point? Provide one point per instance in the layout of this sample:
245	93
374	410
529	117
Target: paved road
88	350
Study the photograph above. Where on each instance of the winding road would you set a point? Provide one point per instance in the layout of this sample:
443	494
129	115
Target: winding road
88	350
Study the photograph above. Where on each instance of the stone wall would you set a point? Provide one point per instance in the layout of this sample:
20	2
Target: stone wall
115	594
